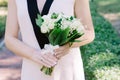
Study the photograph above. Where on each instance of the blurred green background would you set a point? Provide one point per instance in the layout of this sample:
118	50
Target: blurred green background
3	10
101	58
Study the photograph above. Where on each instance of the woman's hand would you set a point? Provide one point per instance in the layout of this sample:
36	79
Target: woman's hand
61	51
45	58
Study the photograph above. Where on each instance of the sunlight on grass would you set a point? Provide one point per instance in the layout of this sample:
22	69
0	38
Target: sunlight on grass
106	2
3	11
112	72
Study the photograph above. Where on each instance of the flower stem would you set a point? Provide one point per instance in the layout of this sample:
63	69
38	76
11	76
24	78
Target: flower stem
47	71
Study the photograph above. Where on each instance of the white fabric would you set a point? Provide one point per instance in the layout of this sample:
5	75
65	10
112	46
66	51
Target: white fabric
70	67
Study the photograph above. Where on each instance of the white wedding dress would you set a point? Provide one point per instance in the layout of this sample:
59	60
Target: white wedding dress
69	67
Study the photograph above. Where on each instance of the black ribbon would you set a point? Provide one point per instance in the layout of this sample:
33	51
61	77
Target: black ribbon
33	11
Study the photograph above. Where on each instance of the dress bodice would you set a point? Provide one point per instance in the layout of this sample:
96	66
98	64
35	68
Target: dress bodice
24	19
70	66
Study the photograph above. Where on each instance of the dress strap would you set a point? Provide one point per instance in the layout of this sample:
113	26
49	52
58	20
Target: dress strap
33	12
46	7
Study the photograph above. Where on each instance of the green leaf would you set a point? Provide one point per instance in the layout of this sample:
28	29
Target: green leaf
72	17
54	16
72	37
75	35
53	35
39	20
78	35
64	36
58	39
77	41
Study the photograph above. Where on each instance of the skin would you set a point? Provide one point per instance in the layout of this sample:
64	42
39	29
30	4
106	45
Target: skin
25	51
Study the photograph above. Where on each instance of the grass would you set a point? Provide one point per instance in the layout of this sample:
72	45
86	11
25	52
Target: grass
108	6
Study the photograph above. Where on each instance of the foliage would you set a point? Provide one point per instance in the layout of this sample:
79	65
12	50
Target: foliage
3	3
100	64
104	52
2	25
108	6
108	73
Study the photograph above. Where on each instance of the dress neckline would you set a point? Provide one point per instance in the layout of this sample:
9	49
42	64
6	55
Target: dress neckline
46	7
33	11
37	7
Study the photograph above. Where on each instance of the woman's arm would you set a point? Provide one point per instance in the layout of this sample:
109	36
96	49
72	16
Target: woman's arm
82	11
18	47
11	33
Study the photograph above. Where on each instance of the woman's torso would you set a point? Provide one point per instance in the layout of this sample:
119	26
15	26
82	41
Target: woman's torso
26	28
31	70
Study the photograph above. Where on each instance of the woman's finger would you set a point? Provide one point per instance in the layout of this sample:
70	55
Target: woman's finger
45	64
45	55
58	53
52	57
49	60
40	61
62	48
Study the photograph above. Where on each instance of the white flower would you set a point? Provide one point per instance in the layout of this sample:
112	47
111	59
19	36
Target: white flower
51	25
44	29
50	48
65	24
74	24
80	29
46	16
47	25
77	25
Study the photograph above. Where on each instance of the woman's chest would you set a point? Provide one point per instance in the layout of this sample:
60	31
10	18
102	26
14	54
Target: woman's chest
58	6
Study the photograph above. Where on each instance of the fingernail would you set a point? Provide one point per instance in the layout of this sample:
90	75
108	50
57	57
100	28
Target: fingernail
55	64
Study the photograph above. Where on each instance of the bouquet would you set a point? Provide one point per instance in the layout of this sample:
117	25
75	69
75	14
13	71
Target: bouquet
60	29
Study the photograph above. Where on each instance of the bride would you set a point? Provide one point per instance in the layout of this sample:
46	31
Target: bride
67	62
